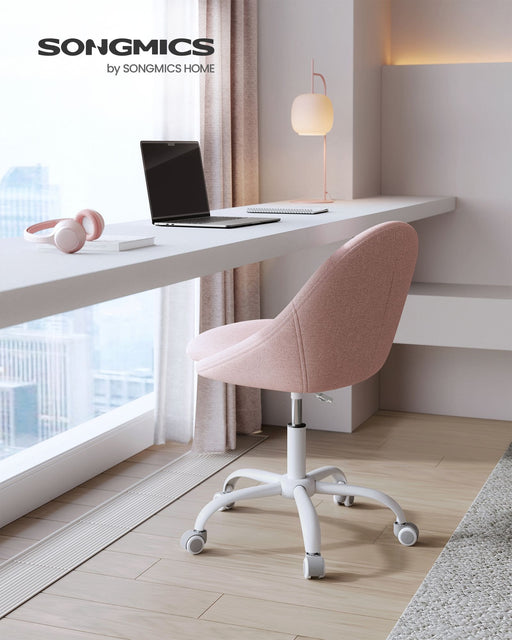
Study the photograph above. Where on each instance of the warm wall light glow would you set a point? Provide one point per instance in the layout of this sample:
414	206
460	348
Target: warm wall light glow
419	58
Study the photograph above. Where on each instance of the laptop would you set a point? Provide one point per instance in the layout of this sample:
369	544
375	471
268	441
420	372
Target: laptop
177	188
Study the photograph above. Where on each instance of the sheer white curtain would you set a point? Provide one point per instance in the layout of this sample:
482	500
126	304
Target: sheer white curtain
174	371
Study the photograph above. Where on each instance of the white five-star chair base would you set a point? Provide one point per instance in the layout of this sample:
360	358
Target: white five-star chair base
299	485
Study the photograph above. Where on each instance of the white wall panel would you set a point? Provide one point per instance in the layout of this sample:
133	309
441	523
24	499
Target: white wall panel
458	382
448	129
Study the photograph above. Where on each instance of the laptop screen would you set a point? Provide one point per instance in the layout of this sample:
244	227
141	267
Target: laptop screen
174	179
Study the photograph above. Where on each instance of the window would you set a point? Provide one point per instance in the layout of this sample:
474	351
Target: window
59	372
70	141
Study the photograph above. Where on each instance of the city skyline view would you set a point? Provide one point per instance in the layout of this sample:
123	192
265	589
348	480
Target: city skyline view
60	371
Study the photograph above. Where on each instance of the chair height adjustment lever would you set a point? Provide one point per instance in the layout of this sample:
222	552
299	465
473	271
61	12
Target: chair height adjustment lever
324	398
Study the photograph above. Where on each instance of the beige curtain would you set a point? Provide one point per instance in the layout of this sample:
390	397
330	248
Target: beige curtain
229	142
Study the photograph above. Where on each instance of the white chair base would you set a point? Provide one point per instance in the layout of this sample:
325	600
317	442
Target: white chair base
298	485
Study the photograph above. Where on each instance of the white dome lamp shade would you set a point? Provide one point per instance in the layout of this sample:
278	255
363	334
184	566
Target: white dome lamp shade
313	115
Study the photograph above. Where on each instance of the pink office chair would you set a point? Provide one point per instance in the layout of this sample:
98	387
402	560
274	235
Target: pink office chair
337	331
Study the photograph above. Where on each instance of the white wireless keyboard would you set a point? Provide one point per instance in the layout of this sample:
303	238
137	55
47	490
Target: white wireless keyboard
284	210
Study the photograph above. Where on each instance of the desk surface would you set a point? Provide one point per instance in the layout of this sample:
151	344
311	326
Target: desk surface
37	280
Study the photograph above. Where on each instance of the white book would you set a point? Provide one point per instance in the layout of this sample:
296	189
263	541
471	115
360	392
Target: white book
119	243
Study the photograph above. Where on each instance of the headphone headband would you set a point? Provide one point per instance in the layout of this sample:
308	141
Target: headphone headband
29	232
69	234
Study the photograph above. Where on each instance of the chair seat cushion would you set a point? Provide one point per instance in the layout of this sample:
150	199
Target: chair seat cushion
220	338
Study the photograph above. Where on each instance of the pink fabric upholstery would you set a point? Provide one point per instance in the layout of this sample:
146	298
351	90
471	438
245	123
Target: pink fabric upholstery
337	331
212	341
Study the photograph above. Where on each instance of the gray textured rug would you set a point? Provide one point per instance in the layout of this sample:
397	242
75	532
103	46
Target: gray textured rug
467	595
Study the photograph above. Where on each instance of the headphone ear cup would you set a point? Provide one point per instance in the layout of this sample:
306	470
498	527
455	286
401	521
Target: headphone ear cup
69	236
92	222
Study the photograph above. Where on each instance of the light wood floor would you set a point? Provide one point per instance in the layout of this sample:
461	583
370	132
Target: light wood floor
247	584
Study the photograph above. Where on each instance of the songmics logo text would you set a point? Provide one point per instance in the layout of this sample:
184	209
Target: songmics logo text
126	47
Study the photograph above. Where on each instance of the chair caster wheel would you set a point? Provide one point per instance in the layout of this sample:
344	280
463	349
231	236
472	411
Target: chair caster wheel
314	566
407	533
193	541
227	489
343	500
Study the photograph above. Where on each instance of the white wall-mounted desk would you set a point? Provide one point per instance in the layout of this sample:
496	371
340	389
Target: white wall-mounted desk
38	280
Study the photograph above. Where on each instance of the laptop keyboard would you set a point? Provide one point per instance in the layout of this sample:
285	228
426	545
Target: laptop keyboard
202	220
213	219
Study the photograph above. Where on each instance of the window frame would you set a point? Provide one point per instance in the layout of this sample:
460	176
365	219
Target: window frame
38	474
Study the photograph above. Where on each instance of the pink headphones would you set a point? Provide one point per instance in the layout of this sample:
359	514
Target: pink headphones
69	234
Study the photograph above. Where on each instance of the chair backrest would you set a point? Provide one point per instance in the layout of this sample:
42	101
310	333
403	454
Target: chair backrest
339	328
347	314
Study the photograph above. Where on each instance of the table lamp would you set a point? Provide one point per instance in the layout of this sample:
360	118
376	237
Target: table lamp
312	115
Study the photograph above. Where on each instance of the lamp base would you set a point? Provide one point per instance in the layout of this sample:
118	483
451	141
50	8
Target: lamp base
312	201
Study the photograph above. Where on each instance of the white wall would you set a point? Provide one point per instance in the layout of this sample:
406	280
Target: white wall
457	382
446	129
349	41
333	32
372	43
291	33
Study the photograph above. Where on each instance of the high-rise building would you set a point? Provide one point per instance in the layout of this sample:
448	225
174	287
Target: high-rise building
58	363
26	197
18	416
114	388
